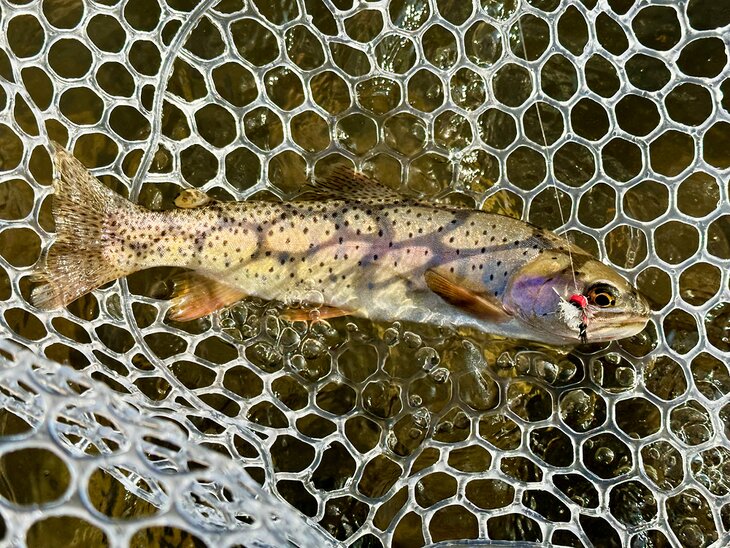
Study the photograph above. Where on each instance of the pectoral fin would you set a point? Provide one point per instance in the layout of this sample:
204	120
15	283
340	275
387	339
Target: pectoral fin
196	296
479	305
322	313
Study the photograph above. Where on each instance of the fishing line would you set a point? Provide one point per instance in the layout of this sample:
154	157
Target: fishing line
549	160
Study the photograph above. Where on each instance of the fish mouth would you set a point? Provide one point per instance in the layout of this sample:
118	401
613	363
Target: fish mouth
615	330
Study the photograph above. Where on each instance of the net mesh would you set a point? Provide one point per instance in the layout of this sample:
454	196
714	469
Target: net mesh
242	428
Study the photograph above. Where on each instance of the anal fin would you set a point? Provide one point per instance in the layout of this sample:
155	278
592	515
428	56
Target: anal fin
476	304
322	313
196	296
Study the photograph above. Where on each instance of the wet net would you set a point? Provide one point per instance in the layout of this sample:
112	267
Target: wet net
120	427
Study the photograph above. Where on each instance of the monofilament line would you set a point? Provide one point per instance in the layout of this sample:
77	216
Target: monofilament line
549	160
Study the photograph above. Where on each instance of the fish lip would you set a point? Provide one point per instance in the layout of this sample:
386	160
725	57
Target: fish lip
629	327
637	318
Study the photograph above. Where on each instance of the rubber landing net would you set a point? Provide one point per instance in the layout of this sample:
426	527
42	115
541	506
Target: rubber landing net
118	427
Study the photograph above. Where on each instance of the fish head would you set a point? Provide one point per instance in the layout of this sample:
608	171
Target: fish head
575	299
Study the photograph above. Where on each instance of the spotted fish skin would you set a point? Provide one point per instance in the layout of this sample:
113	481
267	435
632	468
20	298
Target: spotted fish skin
358	255
368	251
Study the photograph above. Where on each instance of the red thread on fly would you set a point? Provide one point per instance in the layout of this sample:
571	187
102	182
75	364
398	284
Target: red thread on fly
581	303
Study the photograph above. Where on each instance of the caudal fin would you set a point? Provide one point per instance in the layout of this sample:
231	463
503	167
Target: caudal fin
83	210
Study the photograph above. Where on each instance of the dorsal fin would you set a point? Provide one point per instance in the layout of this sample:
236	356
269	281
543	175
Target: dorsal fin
343	183
358	186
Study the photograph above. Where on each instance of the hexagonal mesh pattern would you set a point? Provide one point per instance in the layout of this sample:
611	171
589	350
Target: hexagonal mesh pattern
376	434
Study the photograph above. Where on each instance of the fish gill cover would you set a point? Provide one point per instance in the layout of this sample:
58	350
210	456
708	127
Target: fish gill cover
358	432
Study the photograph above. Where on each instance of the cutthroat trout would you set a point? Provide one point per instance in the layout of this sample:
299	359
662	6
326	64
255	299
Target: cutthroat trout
366	249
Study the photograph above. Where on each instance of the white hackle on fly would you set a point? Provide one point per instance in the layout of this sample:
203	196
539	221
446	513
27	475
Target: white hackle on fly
572	315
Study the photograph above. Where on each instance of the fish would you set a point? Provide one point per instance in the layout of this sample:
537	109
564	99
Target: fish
366	249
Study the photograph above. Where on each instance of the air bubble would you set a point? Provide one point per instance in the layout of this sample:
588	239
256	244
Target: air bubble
604	455
412	340
691	423
422	418
289	338
391	336
440	375
427	357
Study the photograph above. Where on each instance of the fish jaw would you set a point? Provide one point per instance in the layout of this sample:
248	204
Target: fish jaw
603	328
605	333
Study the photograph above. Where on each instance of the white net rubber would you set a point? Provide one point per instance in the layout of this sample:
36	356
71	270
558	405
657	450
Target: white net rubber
243	429
98	446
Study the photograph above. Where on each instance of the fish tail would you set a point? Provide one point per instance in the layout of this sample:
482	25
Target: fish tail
87	215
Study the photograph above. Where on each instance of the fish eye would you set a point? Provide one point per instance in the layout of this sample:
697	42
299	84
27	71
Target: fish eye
602	295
